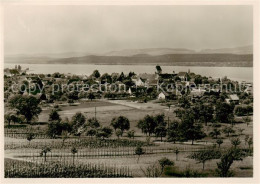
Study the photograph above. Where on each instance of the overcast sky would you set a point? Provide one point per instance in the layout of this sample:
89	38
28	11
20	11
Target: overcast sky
99	29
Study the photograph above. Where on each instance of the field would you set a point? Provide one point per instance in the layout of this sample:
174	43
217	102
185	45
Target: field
113	153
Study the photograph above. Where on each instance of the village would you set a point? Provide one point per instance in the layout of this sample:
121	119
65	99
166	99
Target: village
118	117
141	87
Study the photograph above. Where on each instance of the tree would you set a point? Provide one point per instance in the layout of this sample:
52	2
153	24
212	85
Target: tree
160	131
228	131
247	120
184	102
139	151
64	136
235	142
73	151
223	110
44	152
131	134
227	160
250	142
77	122
96	74
158	69
215	133
28	106
90	96
30	136
56	128
147	125
119	133
10	117
93	123
121	123
106	78
104	132
54	116
207	113
205	155
231	119
91	132
165	162
219	142
179	112
188	129
173	132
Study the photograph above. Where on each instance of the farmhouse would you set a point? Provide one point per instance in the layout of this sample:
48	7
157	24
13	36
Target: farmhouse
163	96
233	98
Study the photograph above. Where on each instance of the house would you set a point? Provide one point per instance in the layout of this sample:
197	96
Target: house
163	96
140	82
190	84
145	80
183	76
249	90
233	98
7	72
150	79
130	91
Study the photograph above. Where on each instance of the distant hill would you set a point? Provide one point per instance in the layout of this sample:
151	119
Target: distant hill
149	51
236	50
239	56
168	59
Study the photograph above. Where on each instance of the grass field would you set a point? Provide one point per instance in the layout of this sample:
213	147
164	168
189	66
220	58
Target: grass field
105	111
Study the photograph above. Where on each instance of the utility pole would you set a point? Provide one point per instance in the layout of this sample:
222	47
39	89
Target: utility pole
95	113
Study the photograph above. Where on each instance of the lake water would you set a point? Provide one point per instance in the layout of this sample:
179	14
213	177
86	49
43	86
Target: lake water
234	73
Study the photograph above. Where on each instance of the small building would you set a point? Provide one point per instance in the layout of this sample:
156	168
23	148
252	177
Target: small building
249	90
233	99
140	82
145	79
191	85
163	96
183	76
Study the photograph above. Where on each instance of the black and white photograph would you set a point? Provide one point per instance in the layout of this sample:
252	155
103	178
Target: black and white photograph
128	91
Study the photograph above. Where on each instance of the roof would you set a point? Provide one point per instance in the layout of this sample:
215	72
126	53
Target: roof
233	97
166	94
182	73
167	75
149	78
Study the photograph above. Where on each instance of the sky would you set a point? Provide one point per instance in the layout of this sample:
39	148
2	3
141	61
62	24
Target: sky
100	29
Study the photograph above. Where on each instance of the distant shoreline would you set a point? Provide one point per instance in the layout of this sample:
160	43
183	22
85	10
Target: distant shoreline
131	64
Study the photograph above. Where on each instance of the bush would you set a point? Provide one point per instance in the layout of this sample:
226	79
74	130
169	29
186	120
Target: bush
243	110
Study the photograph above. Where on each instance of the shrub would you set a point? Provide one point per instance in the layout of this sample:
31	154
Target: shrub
243	110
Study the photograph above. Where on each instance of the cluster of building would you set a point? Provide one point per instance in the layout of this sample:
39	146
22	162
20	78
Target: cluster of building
181	81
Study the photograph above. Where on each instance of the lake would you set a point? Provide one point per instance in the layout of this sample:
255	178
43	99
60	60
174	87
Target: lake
234	73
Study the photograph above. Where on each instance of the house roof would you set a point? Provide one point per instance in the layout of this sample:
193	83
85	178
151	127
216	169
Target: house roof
233	97
167	75
166	94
